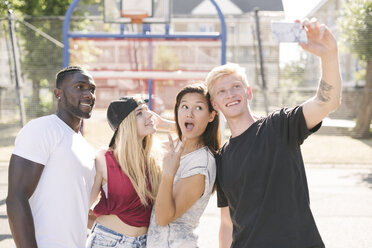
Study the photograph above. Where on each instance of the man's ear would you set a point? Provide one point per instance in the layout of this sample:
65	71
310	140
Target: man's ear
214	105
57	93
249	92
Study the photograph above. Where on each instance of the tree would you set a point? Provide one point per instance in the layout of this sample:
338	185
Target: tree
356	33
292	73
40	57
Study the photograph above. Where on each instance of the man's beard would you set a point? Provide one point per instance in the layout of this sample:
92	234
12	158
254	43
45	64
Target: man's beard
77	111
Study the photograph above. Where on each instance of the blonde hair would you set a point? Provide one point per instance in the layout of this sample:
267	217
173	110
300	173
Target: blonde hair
137	160
225	70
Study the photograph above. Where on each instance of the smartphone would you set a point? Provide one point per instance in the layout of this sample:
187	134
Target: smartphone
288	32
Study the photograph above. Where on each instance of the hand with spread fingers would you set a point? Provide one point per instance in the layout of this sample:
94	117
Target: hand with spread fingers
321	41
171	160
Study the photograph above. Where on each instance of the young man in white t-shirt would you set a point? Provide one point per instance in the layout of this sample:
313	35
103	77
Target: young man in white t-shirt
51	171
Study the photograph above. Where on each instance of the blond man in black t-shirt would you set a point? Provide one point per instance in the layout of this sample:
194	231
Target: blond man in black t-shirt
261	181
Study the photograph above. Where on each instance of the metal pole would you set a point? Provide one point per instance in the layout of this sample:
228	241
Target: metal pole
145	36
16	69
147	29
65	30
223	32
223	60
263	86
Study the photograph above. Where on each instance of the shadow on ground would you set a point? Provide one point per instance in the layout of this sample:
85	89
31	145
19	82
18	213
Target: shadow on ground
5	236
368	179
367	141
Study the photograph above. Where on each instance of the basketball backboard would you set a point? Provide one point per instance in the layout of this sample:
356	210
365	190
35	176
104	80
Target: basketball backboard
126	11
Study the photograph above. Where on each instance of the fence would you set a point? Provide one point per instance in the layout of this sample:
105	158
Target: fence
290	83
40	60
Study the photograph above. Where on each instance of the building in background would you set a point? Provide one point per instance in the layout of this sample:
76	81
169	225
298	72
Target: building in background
327	12
242	44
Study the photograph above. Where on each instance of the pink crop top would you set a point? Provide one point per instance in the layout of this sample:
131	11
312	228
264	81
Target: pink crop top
122	199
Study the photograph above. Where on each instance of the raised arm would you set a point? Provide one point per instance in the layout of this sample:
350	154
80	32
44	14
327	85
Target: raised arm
323	44
24	176
172	203
226	229
164	124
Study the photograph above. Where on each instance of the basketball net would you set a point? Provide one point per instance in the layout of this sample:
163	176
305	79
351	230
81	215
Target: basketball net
135	15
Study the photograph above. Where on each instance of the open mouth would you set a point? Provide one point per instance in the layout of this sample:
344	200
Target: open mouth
232	103
189	126
87	105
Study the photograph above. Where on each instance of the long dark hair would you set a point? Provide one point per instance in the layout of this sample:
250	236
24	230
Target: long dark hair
210	137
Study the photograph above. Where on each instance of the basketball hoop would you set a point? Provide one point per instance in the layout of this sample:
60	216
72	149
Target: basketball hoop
135	15
137	11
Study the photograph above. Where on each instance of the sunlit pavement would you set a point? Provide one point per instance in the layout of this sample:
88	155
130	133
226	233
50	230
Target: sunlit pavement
341	200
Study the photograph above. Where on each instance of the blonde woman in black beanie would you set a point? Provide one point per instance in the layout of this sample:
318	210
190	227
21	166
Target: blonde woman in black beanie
127	177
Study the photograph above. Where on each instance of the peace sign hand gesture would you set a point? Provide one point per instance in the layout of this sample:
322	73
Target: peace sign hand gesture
171	160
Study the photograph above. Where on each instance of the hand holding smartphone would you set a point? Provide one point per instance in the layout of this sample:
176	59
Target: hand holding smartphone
288	32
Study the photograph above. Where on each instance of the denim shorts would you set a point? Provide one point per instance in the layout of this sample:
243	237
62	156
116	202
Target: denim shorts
101	237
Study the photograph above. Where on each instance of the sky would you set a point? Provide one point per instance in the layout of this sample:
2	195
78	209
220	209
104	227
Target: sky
297	9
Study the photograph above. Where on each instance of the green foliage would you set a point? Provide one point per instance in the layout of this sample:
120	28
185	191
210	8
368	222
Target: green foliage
360	75
40	57
292	74
40	7
44	7
11	4
44	83
41	108
355	25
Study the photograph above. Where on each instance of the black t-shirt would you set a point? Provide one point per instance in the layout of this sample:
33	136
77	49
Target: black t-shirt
261	177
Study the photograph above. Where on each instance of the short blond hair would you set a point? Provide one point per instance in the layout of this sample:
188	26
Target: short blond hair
225	70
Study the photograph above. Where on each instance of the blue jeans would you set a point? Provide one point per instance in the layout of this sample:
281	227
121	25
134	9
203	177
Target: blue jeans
101	237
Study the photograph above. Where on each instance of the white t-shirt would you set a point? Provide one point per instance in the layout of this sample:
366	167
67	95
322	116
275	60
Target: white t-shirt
180	232
60	203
